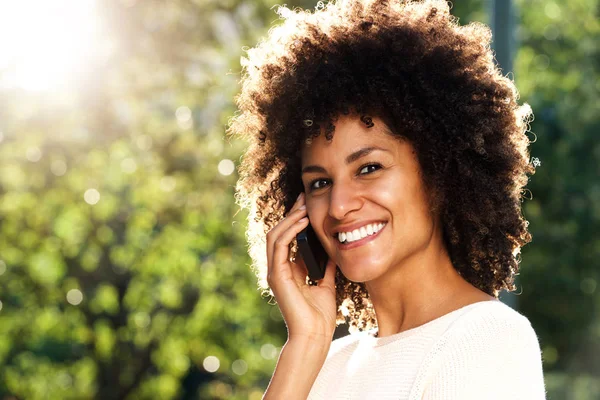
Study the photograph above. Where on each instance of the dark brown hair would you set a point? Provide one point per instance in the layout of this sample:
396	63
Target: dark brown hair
433	82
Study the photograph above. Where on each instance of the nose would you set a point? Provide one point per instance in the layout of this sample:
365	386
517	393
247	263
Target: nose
343	200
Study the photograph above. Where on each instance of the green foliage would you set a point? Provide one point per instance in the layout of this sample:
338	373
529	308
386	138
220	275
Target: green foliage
124	265
556	69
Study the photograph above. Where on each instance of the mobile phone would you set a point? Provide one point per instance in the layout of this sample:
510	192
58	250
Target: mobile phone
312	253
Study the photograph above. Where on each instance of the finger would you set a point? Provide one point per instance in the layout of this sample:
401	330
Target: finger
281	266
299	202
283	225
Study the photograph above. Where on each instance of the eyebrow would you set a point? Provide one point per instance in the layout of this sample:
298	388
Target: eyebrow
349	160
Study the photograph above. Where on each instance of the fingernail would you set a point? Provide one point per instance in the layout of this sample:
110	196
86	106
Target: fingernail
303	207
300	195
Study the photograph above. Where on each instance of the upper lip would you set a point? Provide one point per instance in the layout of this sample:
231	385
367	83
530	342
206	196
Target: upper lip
355	225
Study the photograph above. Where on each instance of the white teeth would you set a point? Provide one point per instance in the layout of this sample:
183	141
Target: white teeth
357	234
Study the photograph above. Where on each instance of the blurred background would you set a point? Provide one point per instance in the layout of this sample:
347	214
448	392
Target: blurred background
123	264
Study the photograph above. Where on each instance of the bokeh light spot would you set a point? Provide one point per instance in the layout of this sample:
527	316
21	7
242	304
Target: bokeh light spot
33	154
239	367
105	234
275	314
0	305
551	32
143	142
222	390
128	165
588	285
211	363
58	167
542	61
91	196
168	183
550	355
268	351
552	10
215	146
2	267
226	167
142	319
74	297
64	380
183	114
184	117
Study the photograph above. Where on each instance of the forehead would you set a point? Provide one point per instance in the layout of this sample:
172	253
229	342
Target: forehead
350	135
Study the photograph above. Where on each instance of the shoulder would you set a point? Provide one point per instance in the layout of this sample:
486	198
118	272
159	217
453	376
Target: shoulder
490	351
491	330
490	320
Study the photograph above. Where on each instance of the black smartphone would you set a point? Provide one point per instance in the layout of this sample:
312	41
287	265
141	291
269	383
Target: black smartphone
312	253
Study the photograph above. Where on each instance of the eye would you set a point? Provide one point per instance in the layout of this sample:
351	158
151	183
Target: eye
314	185
369	168
364	170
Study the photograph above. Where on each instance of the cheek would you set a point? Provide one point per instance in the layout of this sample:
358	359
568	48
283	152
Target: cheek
316	210
391	193
403	197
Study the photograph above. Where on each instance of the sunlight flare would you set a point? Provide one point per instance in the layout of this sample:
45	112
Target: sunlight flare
45	43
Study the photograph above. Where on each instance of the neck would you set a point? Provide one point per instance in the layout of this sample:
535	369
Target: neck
420	290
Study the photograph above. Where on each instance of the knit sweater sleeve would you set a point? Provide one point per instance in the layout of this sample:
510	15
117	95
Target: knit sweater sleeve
493	357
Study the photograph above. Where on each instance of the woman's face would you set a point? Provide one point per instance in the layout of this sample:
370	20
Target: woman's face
360	180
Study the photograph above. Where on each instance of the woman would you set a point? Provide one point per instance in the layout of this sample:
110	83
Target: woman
388	128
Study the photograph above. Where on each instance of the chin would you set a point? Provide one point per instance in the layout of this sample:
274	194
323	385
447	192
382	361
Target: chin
360	275
368	267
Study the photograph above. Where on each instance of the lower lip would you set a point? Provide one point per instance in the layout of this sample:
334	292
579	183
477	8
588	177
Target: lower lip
348	246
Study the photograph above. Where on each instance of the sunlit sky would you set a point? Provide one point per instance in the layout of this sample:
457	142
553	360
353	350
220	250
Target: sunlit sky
45	43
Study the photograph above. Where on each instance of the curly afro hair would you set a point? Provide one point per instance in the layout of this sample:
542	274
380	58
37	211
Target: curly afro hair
433	82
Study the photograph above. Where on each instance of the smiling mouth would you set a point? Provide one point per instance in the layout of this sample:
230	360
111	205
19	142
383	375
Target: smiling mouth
359	235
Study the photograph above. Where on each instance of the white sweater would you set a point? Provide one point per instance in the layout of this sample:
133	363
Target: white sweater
485	350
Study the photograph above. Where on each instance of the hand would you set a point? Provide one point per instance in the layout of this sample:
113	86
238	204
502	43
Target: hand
308	311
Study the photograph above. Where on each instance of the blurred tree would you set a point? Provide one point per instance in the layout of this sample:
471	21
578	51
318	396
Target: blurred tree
123	269
556	70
